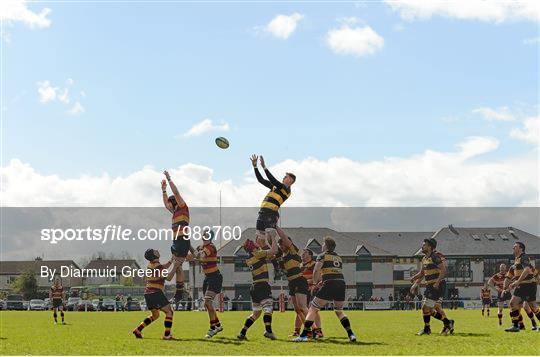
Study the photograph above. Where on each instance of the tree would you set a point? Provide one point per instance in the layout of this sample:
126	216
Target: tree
26	284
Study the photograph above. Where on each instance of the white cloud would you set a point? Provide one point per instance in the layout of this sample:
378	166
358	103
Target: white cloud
431	178
530	131
205	126
480	10
77	109
357	41
500	114
283	26
12	11
47	93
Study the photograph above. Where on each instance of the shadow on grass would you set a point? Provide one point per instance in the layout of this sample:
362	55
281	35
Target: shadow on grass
343	341
221	340
470	334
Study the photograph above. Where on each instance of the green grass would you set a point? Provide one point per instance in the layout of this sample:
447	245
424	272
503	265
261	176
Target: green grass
379	333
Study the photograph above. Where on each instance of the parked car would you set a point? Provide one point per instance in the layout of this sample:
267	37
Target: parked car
14	302
72	303
108	305
85	305
133	305
3	305
26	305
95	303
37	304
48	303
143	305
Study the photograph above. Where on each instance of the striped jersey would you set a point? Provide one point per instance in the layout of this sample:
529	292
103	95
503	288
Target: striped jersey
156	281
275	198
180	219
307	271
258	265
57	292
498	280
332	266
292	262
517	268
209	259
485	293
430	267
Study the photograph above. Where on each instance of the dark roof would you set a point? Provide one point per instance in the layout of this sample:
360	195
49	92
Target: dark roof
16	267
111	263
463	243
402	244
301	237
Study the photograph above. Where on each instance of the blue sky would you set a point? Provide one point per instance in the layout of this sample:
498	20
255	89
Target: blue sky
151	71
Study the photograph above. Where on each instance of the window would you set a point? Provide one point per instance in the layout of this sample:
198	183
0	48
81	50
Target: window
363	263
240	264
459	269
314	246
364	291
503	236
491	265
399	275
475	236
490	236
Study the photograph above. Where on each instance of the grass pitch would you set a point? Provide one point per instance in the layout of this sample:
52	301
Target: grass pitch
378	332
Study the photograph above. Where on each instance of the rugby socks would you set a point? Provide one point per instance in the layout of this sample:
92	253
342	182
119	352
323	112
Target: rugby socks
267	318
531	316
482	311
520	320
179	290
346	325
307	328
488	311
215	324
427	318
500	316
441	317
62	315
168	326
147	321
247	325
297	330
537	313
55	317
514	315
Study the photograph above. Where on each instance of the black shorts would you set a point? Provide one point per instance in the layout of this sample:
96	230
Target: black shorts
180	247
213	283
433	293
486	301
332	290
267	219
56	303
156	300
526	292
504	296
260	291
298	286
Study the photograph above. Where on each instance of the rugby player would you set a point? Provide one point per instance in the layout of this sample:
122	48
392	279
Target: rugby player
308	263
154	295
524	286
56	294
298	284
180	220
213	280
433	272
328	270
485	296
279	193
260	291
497	282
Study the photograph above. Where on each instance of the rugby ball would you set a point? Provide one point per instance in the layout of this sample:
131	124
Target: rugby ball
222	143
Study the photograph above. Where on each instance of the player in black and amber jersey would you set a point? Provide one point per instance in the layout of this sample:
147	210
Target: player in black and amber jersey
56	294
278	194
497	282
433	272
260	291
180	221
206	254
524	285
485	296
298	284
329	271
154	295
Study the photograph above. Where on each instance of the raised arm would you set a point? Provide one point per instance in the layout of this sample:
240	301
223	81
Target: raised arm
166	202
258	175
271	177
284	237
273	247
170	270
179	200
317	272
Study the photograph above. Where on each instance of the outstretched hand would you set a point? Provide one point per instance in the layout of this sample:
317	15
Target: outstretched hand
163	185
254	159
166	173
262	162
